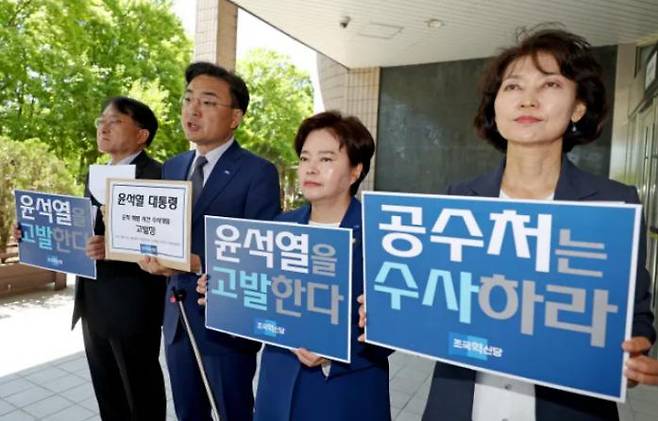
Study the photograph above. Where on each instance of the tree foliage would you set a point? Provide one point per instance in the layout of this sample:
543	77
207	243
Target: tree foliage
281	97
29	165
60	59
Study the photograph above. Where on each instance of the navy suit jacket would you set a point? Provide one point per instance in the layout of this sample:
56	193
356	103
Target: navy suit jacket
241	185
451	394
280	368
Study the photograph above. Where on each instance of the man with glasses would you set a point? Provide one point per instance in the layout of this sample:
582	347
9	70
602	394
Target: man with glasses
227	180
121	309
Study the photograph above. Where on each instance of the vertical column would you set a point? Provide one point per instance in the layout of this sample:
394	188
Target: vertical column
332	78
362	100
354	92
216	32
227	34
621	140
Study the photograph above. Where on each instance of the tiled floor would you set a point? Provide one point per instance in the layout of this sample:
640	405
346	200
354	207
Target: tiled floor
44	374
57	390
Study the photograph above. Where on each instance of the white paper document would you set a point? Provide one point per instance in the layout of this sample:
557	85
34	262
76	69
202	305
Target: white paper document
98	175
149	218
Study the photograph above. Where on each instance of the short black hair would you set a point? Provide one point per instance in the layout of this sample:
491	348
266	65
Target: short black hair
350	133
577	63
138	111
237	86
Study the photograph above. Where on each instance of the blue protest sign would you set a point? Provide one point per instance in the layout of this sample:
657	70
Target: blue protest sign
535	290
283	284
55	229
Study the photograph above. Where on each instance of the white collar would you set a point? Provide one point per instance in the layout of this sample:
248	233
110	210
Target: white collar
213	155
127	160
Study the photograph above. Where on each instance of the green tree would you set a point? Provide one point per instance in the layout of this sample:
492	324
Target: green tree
60	59
29	165
281	97
170	138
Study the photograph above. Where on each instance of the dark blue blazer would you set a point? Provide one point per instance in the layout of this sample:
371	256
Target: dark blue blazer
451	394
356	391
241	185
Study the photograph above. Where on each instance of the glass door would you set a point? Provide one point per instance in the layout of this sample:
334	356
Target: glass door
647	131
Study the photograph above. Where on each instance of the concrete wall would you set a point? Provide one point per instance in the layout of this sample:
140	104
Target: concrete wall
426	139
354	92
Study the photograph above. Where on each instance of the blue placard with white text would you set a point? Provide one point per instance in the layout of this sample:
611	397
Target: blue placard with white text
535	290
55	229
279	283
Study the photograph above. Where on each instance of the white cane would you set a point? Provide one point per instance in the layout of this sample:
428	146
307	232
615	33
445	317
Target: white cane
179	296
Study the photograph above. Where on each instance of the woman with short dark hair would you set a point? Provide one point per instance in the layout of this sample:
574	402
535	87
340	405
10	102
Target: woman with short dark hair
540	98
572	55
334	157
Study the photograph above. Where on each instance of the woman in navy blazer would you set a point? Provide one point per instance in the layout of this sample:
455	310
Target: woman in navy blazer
540	98
334	157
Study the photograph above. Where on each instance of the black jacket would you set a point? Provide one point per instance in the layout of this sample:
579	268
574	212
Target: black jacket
123	299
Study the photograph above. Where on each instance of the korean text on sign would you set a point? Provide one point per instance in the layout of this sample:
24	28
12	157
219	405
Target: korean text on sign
285	284
55	230
484	283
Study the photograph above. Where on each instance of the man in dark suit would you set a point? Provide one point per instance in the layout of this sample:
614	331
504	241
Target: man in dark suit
121	310
227	181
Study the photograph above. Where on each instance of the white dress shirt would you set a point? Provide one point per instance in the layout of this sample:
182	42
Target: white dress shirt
127	160
497	398
212	157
